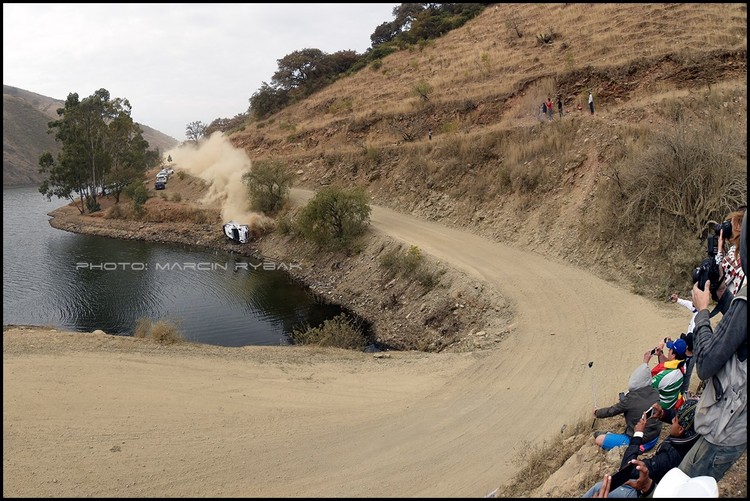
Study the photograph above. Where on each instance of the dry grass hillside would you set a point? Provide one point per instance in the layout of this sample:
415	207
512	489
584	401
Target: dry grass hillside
579	188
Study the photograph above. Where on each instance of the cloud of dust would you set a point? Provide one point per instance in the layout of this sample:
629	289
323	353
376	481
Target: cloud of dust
221	165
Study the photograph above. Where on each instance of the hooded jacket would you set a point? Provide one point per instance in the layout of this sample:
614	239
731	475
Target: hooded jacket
637	400
721	359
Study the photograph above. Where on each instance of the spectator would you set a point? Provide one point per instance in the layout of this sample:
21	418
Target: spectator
688	337
544	110
640	396
682	437
687	304
591	102
550	111
675	484
559	106
668	375
429	134
721	361
730	269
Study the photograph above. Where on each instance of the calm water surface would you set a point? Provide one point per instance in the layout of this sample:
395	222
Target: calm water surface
79	282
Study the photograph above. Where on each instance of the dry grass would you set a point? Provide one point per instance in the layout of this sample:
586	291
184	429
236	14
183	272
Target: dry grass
161	331
485	59
338	332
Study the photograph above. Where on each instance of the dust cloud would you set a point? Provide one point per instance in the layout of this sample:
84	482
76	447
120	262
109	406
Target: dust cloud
221	165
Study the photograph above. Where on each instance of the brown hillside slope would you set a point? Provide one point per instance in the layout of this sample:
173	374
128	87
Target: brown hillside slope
492	166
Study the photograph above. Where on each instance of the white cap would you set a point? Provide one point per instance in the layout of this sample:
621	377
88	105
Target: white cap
676	484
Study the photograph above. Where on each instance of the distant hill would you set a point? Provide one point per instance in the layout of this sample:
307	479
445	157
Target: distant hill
25	137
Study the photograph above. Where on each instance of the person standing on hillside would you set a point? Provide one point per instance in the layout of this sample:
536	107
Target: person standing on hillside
721	360
550	110
544	110
559	106
591	102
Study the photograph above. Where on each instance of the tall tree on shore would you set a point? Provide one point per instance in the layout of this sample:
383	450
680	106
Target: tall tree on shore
91	133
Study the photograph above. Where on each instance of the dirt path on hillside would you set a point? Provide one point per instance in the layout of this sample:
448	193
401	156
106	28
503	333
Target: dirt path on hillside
111	416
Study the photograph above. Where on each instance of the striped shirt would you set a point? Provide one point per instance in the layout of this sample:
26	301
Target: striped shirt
667	378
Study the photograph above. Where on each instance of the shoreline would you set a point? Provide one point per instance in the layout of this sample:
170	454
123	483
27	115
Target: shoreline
353	283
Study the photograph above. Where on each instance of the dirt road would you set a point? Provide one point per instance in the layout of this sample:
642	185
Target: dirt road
106	416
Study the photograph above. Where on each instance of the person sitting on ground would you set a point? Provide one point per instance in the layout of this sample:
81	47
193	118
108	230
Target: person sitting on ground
675	484
668	455
639	397
668	375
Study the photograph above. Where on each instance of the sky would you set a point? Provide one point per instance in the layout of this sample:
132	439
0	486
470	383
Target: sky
174	63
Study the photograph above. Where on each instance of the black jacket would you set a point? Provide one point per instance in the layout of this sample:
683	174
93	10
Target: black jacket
669	454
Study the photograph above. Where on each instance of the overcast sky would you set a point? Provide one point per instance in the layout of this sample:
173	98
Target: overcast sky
175	63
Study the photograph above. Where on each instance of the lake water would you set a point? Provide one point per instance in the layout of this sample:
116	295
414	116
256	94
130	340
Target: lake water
83	283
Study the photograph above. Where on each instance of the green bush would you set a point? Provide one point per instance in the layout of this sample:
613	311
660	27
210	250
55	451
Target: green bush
268	185
335	217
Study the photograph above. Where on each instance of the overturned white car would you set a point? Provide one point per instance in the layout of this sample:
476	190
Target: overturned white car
240	233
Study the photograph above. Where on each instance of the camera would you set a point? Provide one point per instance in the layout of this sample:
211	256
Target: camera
725	227
708	269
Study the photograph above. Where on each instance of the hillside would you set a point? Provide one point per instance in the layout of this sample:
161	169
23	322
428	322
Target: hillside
656	71
25	138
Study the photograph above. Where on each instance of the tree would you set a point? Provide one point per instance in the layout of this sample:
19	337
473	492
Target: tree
298	72
194	131
268	185
91	133
335	217
129	154
267	100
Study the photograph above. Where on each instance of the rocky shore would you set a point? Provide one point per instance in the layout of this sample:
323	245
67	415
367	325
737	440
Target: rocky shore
459	314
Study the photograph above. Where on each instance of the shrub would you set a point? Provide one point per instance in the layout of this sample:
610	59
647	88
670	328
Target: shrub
692	175
411	265
268	185
335	217
162	331
339	332
177	197
142	328
115	212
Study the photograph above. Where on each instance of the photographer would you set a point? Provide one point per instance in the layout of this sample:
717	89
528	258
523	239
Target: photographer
730	270
721	360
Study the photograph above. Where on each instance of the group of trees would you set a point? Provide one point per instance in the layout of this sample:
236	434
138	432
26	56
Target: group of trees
102	150
305	71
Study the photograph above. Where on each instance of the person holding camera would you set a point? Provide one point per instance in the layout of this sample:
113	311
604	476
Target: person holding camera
668	455
730	269
639	397
720	356
669	374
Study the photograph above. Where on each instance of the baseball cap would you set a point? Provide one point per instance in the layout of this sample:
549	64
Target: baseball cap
676	484
678	346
